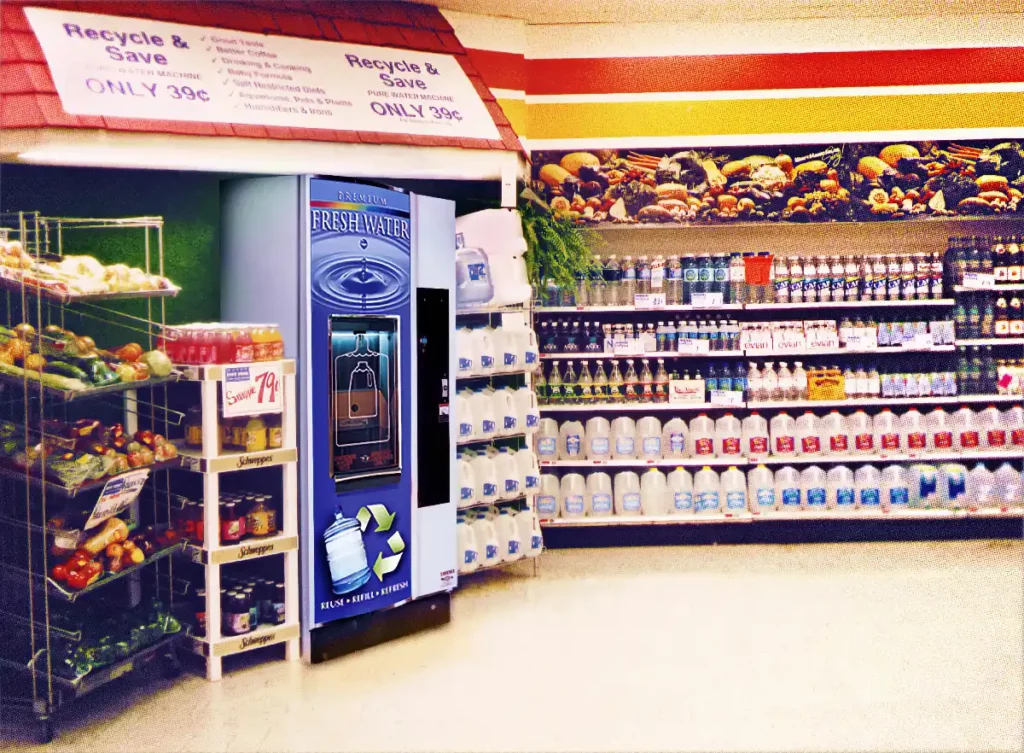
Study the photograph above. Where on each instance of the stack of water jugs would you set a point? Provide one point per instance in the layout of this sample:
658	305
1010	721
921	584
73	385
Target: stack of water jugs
492	535
495	350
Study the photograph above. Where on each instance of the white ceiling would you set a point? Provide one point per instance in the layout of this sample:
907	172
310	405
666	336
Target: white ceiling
641	11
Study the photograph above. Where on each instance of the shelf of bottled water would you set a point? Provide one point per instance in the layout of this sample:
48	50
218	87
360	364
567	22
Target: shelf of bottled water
991	341
780	516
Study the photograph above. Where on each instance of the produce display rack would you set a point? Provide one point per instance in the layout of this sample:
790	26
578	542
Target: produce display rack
65	299
212	554
32	640
70	491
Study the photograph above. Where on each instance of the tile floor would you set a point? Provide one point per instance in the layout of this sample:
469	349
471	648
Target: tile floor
895	647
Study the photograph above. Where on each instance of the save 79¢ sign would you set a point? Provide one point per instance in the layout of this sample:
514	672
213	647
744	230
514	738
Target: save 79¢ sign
252	389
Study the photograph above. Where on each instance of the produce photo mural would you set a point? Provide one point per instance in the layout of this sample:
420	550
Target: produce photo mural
810	183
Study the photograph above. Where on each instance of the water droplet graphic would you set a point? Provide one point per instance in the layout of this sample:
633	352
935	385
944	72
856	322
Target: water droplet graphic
365	274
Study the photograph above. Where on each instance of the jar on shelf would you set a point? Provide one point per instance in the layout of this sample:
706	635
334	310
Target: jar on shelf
254	435
275	432
260	519
194	427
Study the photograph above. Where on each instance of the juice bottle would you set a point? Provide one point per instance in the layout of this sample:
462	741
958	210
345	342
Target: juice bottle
275	343
260	344
241	346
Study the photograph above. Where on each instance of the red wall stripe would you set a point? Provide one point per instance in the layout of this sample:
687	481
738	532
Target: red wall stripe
808	70
501	70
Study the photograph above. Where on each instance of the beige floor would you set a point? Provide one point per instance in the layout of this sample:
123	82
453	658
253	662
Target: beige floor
894	647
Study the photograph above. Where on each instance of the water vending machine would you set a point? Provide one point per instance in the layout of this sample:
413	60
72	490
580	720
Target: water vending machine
360	277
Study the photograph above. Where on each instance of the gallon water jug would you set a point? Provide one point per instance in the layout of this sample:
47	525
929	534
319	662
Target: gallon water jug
674	444
680	489
547	499
497	235
623	438
991	429
755	436
702	436
527	352
923	482
530	538
808	435
571	502
485	476
546	440
464	354
835	434
952	485
571	439
1013	420
486	540
527	410
648	438
467	484
463	408
867	481
787	488
506	350
938	431
965	430
1008	486
914	432
761	490
886	428
599	438
653	492
627	493
484	353
813	489
469	552
529	471
839	488
485	421
506	413
728	437
473	285
508	536
707	492
510	483
981	488
734	490
895	488
782	430
862	432
599	494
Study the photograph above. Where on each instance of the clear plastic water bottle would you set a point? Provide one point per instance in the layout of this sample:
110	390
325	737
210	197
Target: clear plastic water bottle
643	275
674	281
737	280
628	286
612	275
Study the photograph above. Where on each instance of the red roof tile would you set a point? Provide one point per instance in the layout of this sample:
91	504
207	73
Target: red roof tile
423	40
352	31
12	18
298	25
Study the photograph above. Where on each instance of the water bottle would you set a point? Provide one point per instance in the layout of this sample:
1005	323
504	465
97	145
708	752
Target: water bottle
648	435
612	274
702	436
914	432
691	278
599	495
628	285
981	488
623	436
680	489
1013	421
654	493
530	535
674	281
861	430
952	482
782	431
728	437
547	499
737	280
674	445
835	434
754	437
1008	486
787	488
938	431
886	429
923	482
808	434
571	493
965	430
627	493
529	471
991	429
546	440
734	490
706	492
813	488
571	441
867	481
761	490
706	275
598	433
839	487
895	489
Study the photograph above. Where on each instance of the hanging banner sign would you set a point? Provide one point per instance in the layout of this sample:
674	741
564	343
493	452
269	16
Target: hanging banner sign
252	389
117	495
136	68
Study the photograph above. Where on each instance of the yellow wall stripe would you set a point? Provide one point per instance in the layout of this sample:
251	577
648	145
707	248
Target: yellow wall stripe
516	112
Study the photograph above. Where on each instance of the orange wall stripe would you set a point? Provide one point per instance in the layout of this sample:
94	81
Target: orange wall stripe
500	70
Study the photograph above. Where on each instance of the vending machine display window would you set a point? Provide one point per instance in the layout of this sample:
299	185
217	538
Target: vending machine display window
364	402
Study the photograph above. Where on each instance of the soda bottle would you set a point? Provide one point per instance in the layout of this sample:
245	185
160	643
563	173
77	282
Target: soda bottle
646	382
585	385
1016	316
1015	260
631	382
600	384
555	393
973	317
570	394
988	318
661	383
540	387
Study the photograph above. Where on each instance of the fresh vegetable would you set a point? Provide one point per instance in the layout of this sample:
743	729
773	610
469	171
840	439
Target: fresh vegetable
65	369
113	532
130	352
101	375
158	362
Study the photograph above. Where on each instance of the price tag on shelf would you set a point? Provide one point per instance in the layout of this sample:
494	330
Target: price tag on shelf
979	280
693	346
688	391
922	341
726	397
862	339
252	389
706	300
117	495
649	300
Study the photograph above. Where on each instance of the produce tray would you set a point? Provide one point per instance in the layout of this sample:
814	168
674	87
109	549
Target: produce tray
15	473
17	286
69	395
40	628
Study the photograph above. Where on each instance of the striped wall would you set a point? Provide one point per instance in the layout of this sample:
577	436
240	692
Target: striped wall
594	85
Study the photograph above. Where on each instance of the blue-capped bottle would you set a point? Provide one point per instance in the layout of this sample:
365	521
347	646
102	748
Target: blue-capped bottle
346	555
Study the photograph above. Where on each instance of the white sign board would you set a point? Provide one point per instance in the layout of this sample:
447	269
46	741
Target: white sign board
136	68
252	389
726	397
706	300
691	346
649	300
117	495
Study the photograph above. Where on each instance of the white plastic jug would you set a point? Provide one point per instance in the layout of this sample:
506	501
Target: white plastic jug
469	552
572	490
506	413
707	492
1013	420
835	434
839	488
486	540
627	493
654	492
506	350
895	488
923	483
464	352
734	490
808	435
952	485
702	436
992	429
648	438
547	499
484	352
981	488
1009	486
728	436
530	537
761	490
867	481
527	352
508	536
965	430
467	484
485	422
862	432
787	488
914	432
782	430
527	410
599	494
680	489
938	431
886	428
571	438
674	444
510	483
813	488
529	471
472	278
546	440
623	438
485	476
754	433
496	237
599	438
463	415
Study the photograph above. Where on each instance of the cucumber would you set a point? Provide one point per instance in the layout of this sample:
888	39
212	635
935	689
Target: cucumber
65	369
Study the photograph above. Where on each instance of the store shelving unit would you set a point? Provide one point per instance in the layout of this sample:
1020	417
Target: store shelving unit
210	461
1018	341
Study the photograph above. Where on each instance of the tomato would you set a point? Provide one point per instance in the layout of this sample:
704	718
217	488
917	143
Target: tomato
77	580
59	573
92	571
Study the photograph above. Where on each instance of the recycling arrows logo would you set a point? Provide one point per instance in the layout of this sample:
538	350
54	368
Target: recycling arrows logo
384	521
